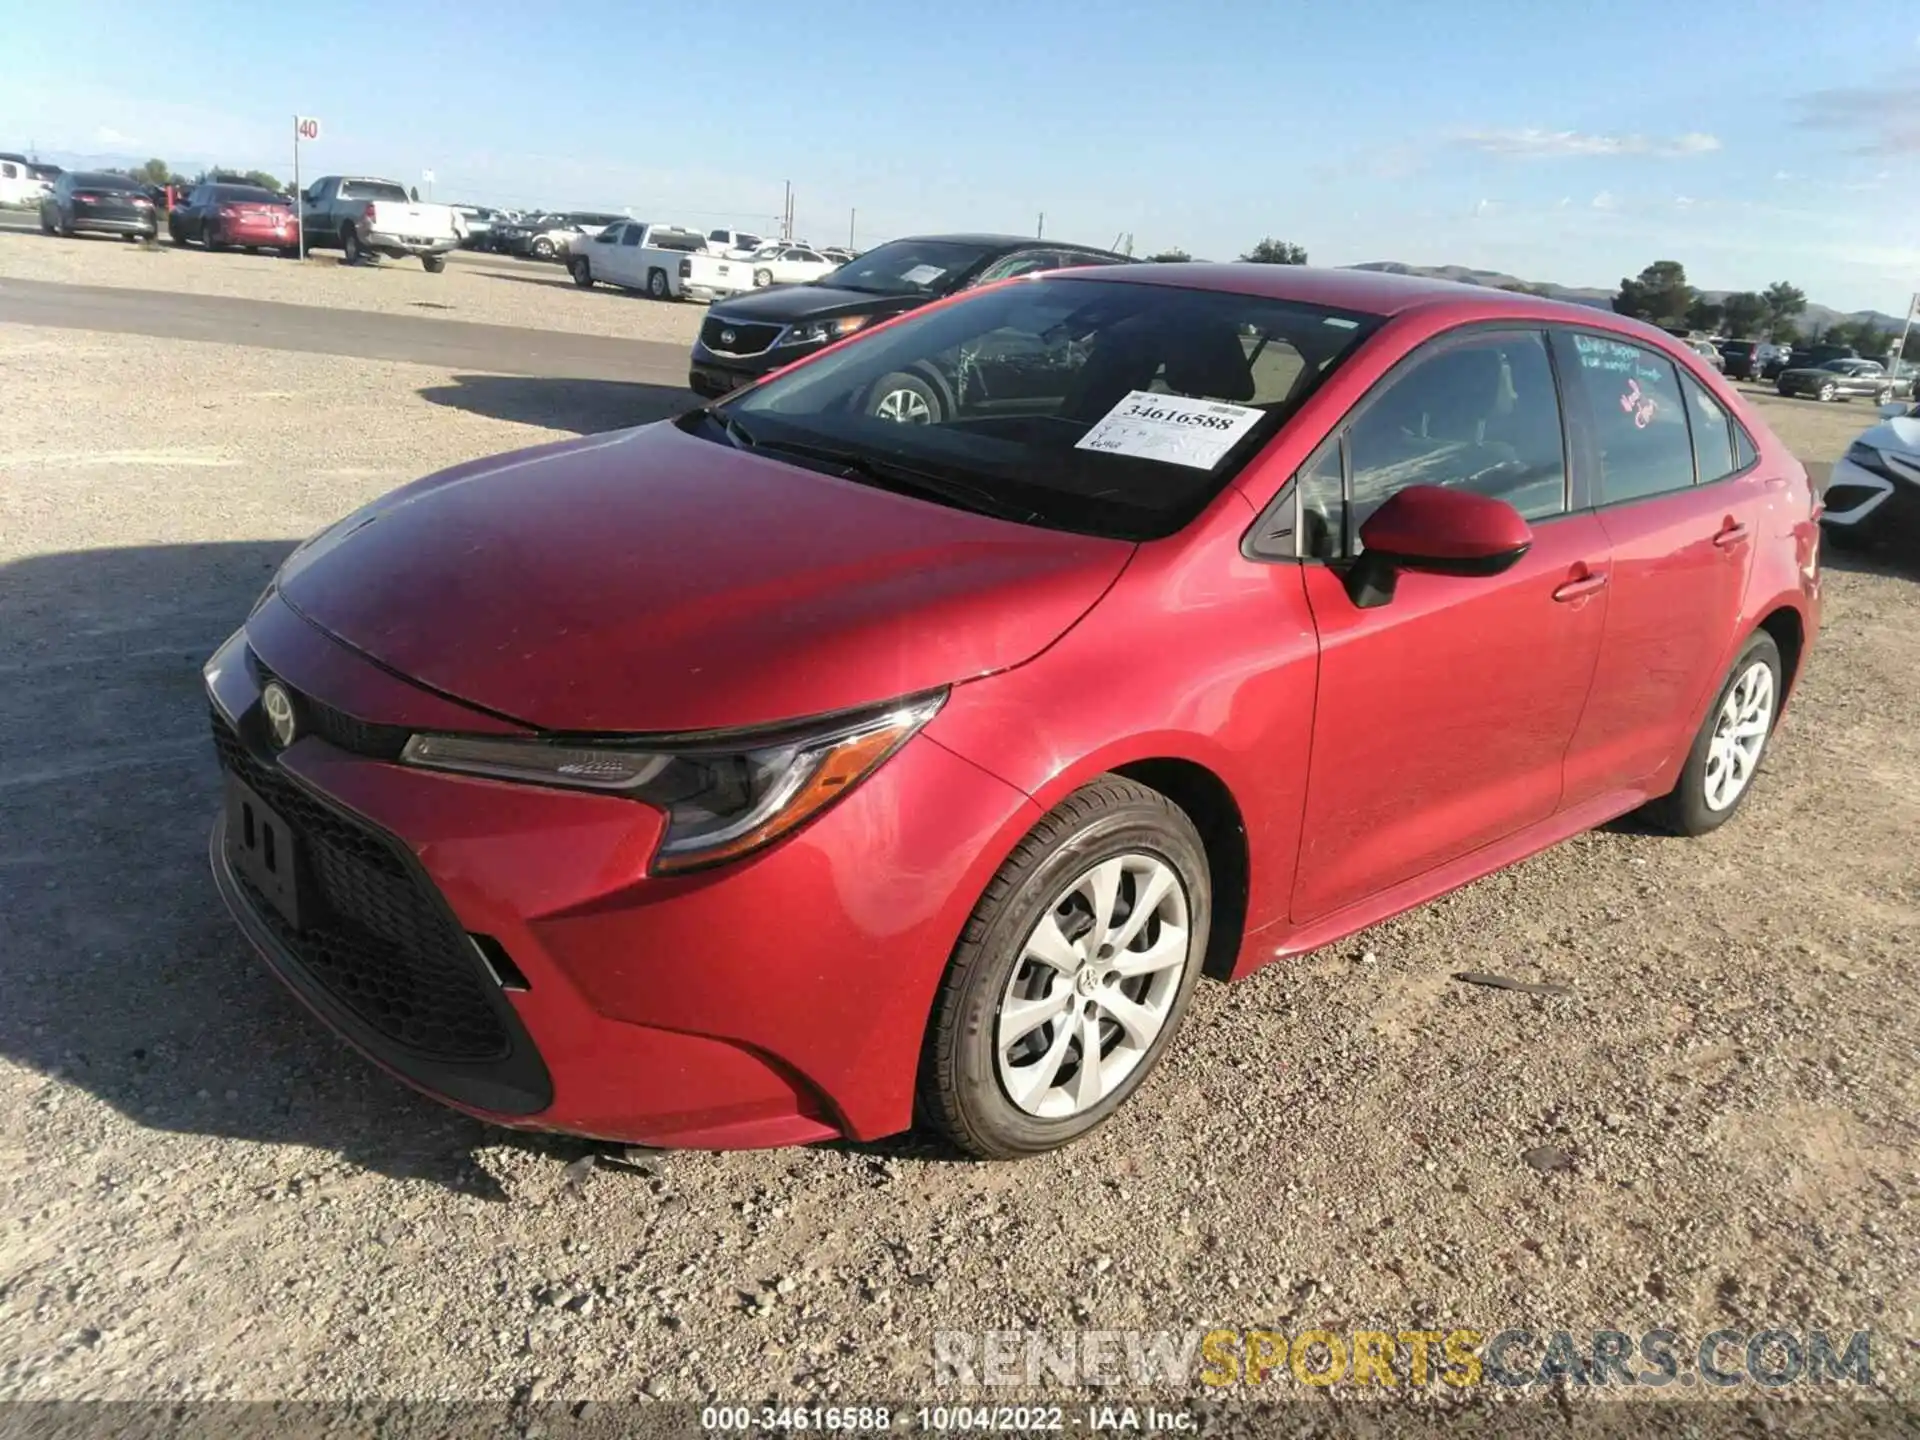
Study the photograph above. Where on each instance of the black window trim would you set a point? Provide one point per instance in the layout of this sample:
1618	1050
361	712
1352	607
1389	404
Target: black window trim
1288	494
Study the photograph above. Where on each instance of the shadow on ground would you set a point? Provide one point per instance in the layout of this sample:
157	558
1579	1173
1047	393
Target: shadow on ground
579	407
123	974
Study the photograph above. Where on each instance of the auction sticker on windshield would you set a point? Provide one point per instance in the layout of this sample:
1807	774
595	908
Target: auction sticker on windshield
923	274
1174	428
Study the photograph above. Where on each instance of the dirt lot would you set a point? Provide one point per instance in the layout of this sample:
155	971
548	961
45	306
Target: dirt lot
489	290
203	1195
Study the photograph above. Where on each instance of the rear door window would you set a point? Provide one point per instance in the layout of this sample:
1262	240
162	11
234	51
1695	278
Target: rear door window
1712	432
1638	414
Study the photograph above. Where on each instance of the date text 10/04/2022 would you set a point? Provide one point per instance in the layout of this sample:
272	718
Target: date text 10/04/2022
955	1419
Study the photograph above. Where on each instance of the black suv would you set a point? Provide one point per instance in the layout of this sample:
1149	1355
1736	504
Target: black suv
1742	357
744	337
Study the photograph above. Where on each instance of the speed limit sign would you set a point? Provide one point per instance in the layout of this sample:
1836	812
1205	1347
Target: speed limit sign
307	127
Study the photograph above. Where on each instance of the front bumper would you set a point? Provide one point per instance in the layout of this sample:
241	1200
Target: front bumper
1862	501
778	1000
711	374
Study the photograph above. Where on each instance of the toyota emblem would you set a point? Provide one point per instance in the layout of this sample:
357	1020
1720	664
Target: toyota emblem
278	705
726	337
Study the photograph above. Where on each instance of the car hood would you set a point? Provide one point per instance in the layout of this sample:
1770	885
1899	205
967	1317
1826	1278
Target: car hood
652	581
784	304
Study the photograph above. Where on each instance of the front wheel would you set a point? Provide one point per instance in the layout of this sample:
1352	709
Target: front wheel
433	264
1828	391
1072	975
46	225
1726	753
905	399
582	269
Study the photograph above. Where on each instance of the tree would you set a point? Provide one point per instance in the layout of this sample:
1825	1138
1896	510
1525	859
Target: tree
1276	252
1743	312
1660	295
262	179
154	172
1703	314
1783	302
1173	255
1786	333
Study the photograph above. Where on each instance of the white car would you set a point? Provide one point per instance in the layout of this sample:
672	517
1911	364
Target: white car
19	185
789	265
668	263
1874	491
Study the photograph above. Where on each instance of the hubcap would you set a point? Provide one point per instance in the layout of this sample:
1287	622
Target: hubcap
1094	984
1739	735
906	407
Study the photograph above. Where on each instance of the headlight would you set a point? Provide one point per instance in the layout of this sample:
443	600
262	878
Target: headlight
723	797
823	332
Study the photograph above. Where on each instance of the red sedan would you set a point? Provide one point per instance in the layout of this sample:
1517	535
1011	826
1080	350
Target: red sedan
242	216
784	771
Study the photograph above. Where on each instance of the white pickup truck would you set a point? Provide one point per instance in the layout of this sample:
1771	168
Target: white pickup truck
667	262
363	217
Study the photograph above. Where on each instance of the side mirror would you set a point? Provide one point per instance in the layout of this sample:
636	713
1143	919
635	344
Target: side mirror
1435	531
1893	410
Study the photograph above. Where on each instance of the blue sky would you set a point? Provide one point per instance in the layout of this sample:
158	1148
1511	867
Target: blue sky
1751	141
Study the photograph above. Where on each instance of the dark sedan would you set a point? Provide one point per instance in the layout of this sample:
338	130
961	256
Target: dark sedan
744	337
87	202
1839	380
244	216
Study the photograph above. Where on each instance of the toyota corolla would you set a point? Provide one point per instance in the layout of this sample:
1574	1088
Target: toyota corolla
787	771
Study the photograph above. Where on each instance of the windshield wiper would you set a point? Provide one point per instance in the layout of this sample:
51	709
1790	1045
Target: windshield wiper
902	479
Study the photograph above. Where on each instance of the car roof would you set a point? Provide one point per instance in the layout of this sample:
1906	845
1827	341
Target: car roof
1368	292
1014	242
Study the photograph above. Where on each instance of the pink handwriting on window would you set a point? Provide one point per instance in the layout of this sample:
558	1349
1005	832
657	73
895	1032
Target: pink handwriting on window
1641	407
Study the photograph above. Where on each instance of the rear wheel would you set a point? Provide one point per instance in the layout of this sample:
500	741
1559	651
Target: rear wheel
1072	975
1727	752
543	249
582	269
657	286
46	225
350	244
433	264
763	277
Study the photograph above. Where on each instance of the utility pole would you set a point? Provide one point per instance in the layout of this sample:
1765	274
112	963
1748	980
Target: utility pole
851	215
786	214
1900	350
1040	230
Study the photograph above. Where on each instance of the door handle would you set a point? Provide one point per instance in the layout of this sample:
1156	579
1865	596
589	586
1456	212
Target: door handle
1731	534
1580	588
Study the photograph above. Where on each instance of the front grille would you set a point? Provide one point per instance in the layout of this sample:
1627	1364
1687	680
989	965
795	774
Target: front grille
747	339
371	934
337	727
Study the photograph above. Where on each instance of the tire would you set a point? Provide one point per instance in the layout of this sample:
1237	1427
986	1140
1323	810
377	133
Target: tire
582	269
210	237
1827	391
657	286
906	398
962	1088
65	226
46	225
543	249
433	264
1881	397
762	277
355	252
1686	809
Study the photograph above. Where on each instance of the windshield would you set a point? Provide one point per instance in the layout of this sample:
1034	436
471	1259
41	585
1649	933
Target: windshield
1086	405
93	180
911	267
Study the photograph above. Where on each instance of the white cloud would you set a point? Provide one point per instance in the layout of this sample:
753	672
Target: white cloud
1486	207
1604	201
1783	175
1532	143
107	135
1683	202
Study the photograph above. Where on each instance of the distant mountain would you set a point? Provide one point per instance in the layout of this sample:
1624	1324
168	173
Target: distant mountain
1815	317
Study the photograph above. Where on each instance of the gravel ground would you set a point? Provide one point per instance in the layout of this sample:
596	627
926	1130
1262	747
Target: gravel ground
490	290
203	1195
